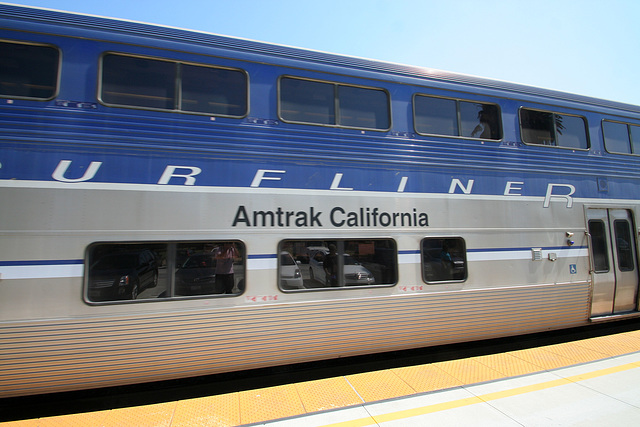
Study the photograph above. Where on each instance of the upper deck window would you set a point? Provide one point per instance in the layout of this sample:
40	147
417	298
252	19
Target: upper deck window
165	85
333	104
547	128
621	138
453	117
28	71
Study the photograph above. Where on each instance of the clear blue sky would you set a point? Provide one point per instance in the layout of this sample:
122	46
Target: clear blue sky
588	47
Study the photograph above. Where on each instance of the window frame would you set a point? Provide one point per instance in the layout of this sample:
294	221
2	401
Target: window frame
177	85
336	103
459	124
464	260
56	90
171	266
555	129
629	137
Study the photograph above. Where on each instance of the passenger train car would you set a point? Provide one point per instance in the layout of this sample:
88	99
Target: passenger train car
175	203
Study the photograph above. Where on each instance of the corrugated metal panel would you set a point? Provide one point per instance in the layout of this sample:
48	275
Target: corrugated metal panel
55	356
193	137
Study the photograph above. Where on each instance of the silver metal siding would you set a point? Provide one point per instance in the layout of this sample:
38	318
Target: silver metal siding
41	357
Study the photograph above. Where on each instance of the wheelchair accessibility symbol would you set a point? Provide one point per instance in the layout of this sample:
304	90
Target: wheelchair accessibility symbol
573	269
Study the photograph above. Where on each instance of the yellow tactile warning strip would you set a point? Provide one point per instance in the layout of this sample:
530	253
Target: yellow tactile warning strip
271	403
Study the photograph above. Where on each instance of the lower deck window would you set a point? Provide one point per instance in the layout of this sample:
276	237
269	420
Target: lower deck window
313	264
444	259
148	271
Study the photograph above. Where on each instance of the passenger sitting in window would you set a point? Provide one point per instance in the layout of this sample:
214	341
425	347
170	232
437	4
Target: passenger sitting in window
483	129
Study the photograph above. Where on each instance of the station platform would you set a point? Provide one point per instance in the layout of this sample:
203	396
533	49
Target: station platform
594	381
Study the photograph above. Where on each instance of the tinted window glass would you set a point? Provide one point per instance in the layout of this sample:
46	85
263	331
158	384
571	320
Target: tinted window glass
313	264
167	85
599	249
624	244
206	268
546	128
307	101
127	272
444	259
435	116
213	90
635	139
451	117
537	127
479	120
571	131
148	271
334	104
28	71
138	82
616	137
363	108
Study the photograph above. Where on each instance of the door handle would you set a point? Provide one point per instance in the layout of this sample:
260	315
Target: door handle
590	244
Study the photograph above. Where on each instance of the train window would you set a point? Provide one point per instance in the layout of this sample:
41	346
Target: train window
151	271
127	272
599	250
624	245
616	137
28	71
333	104
165	85
435	116
313	264
621	138
363	108
213	90
307	101
139	82
208	268
635	139
537	127
444	259
571	131
452	117
479	120
553	129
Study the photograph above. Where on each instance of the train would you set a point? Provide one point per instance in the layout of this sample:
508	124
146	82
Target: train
177	203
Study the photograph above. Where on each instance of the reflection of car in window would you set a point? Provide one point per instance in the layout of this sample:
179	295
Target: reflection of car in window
443	259
122	275
197	276
354	272
290	276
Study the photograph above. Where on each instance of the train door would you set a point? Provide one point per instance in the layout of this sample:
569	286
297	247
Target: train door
613	261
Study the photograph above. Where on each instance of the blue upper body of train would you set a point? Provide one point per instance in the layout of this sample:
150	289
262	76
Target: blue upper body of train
75	136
